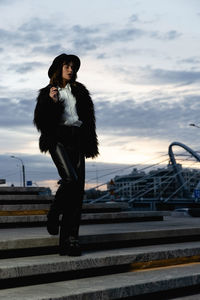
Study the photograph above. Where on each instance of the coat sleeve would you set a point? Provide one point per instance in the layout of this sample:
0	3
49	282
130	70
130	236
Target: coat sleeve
87	115
46	118
91	146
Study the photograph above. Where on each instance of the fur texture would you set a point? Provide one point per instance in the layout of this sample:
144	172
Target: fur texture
47	116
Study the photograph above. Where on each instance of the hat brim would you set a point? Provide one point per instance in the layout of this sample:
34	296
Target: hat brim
64	58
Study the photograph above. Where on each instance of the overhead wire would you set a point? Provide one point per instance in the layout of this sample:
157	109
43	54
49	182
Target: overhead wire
165	181
125	168
142	179
153	165
119	189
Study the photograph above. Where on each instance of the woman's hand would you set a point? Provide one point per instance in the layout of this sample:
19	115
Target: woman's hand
53	94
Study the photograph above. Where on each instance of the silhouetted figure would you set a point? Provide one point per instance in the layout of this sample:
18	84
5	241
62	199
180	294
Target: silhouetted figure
64	114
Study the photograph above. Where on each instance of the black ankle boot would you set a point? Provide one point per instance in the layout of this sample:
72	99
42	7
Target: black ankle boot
52	223
70	247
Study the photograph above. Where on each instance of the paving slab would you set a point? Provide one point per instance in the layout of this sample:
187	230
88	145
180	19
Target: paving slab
117	286
137	257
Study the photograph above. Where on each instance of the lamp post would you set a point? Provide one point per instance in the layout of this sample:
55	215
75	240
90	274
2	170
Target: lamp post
23	169
96	176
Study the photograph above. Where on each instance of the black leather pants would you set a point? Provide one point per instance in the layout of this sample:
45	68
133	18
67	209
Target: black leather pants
70	164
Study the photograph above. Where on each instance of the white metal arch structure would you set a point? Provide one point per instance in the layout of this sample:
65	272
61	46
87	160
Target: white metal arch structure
175	166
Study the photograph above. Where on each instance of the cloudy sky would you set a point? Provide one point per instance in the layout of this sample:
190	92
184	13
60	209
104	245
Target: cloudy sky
140	61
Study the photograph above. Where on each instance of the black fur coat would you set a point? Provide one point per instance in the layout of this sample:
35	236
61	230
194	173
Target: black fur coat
47	117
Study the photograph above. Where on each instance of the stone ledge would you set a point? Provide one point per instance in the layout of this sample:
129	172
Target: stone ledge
43	202
137	257
122	205
96	207
8	201
21	207
105	215
127	214
34	216
117	286
124	236
16	190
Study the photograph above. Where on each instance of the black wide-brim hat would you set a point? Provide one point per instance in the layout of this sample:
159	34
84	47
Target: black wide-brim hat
60	59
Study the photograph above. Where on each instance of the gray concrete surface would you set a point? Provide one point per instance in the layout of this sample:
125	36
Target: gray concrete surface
114	286
123	215
17	238
110	286
168	223
22	190
46	264
22	207
189	297
17	198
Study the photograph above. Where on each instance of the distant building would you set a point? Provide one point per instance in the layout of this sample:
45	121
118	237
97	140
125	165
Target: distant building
128	185
160	183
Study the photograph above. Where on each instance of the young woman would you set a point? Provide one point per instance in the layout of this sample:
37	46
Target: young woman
64	114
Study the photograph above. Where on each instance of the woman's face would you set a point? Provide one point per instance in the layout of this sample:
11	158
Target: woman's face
67	71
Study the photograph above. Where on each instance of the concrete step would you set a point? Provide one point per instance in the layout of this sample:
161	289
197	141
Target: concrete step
105	207
134	258
114	286
26	202
190	294
16	190
25	199
29	217
98	236
4	208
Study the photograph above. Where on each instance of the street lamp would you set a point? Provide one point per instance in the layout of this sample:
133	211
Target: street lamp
23	169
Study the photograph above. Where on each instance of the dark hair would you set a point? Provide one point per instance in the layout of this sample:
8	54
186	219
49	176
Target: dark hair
57	80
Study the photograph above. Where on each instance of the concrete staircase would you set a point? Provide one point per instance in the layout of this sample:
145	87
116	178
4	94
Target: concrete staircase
108	274
120	261
30	210
126	254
